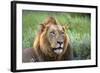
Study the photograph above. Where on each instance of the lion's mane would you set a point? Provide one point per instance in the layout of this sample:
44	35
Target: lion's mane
42	48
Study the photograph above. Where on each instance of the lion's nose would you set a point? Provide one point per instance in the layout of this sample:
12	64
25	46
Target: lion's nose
59	42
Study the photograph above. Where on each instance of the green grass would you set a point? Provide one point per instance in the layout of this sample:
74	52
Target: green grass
79	29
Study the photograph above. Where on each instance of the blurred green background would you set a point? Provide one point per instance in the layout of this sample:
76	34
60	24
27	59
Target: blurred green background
79	29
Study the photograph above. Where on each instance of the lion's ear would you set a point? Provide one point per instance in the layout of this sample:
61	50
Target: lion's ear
65	27
42	27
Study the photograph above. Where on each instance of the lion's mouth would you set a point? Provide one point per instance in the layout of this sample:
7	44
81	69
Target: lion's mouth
58	50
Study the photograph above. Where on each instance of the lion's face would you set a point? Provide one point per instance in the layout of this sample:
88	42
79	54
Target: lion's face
52	39
55	36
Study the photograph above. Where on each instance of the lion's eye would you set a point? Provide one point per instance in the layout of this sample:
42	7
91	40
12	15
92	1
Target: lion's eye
62	33
52	33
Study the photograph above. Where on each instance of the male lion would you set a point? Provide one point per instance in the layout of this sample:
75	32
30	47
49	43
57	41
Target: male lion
51	44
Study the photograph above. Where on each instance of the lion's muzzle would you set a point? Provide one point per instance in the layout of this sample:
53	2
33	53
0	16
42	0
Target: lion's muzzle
59	48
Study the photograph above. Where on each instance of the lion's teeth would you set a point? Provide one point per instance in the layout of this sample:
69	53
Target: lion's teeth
58	51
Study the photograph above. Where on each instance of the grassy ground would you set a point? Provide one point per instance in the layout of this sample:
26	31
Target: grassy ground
79	29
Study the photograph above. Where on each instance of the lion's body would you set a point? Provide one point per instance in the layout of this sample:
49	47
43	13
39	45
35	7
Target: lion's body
51	43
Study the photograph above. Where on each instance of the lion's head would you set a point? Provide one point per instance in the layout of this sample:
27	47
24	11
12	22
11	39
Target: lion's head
52	40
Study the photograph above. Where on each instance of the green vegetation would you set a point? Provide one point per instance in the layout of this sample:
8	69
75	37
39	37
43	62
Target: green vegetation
79	29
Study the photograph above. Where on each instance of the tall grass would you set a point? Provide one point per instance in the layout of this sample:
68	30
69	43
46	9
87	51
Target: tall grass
79	29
